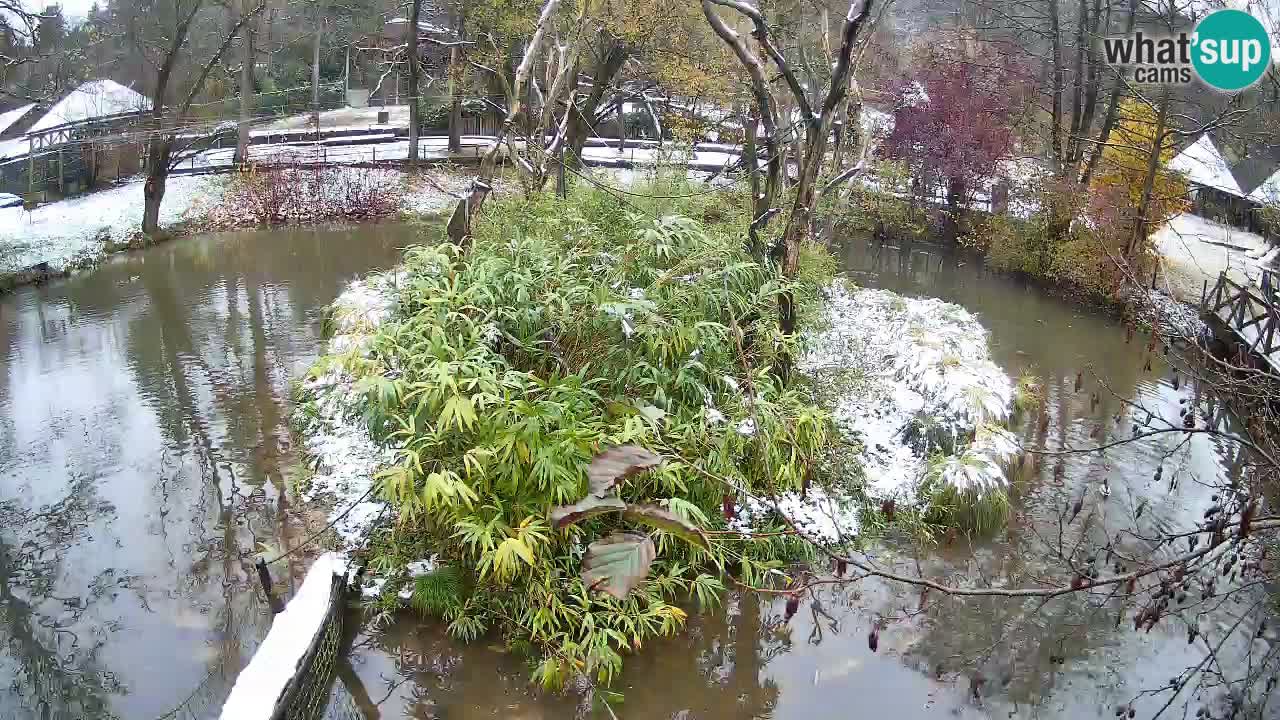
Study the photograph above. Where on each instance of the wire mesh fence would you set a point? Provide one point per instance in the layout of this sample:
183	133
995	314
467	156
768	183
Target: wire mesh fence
306	697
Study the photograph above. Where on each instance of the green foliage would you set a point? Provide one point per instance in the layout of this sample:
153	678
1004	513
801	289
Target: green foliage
437	592
569	327
884	204
979	513
1028	392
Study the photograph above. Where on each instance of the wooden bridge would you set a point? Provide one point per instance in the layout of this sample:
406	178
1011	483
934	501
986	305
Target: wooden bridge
1248	315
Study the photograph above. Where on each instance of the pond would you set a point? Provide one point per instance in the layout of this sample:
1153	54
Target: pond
1065	659
143	453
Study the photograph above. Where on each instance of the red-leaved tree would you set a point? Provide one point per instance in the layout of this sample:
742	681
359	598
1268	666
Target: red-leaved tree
953	120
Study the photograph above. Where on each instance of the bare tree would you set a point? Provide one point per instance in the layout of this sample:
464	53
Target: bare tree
174	53
524	130
816	126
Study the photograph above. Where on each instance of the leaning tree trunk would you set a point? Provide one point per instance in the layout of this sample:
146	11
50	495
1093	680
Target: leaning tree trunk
583	120
1142	223
459	227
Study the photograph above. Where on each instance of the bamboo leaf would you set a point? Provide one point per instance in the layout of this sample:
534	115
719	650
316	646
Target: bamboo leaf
652	413
617	563
663	519
587	507
611	467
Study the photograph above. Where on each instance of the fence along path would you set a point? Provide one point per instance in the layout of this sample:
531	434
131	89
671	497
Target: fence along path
1251	314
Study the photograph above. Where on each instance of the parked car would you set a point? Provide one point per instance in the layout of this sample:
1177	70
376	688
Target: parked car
8	200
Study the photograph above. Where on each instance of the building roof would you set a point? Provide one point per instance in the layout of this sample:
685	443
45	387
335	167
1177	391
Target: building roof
94	99
1203	165
1268	193
10	117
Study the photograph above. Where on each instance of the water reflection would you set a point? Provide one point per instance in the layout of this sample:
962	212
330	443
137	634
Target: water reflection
143	461
938	657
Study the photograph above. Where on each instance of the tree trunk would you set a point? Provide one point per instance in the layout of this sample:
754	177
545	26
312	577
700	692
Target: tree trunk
1141	223
1055	130
414	120
455	99
157	176
246	90
459	227
315	67
582	121
758	200
1113	106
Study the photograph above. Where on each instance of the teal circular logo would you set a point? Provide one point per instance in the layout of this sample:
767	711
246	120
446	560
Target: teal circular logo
1232	49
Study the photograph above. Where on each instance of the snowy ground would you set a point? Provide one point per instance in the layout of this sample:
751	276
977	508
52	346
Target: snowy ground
374	149
914	378
74	232
337	150
1196	250
343	118
335	438
345	457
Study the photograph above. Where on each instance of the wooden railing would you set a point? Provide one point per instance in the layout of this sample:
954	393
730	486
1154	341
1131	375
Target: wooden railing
1251	313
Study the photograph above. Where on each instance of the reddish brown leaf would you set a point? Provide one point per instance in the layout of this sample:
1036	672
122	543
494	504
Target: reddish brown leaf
664	519
618	563
793	604
587	507
609	468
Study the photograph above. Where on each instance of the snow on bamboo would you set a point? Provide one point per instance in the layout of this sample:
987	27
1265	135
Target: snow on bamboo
345	457
913	379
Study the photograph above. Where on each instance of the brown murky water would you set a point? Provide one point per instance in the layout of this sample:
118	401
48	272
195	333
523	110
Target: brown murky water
745	662
143	455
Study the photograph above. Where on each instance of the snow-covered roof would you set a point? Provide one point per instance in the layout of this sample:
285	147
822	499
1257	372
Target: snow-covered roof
94	99
1268	193
13	116
1203	165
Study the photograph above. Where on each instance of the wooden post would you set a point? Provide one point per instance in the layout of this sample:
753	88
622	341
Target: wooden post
62	175
31	167
561	188
264	577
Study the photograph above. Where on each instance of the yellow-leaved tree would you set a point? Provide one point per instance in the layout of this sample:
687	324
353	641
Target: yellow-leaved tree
1122	176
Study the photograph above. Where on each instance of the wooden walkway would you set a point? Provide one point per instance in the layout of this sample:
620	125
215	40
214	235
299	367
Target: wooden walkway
1249	314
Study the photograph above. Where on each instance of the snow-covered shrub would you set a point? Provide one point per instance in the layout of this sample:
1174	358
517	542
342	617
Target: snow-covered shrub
911	382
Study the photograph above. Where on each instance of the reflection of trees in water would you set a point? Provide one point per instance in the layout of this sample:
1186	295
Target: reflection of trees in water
55	671
209	326
716	666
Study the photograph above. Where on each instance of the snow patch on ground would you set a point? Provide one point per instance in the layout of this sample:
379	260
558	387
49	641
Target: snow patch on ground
1171	316
346	458
260	684
914	378
1195	250
73	232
